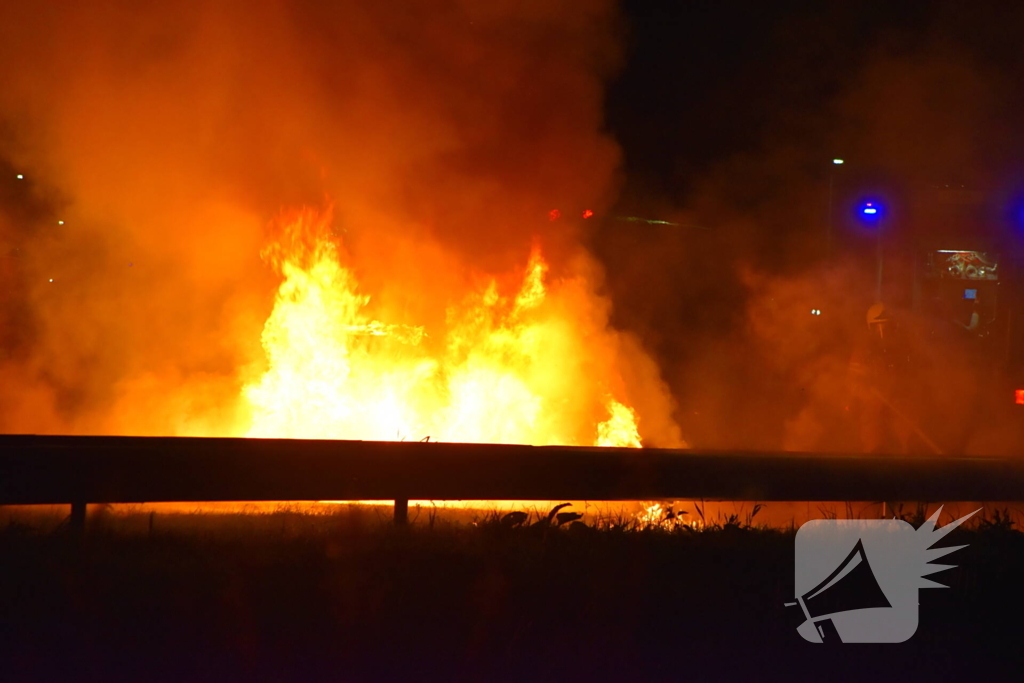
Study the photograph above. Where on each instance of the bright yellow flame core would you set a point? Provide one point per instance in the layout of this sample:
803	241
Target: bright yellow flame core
620	428
533	367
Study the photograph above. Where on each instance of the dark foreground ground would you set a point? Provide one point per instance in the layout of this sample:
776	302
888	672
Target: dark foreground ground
346	597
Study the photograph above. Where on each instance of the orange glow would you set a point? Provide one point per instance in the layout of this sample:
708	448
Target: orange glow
1019	396
528	363
620	428
588	213
432	319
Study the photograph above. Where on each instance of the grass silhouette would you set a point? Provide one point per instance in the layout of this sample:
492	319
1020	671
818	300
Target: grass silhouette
524	595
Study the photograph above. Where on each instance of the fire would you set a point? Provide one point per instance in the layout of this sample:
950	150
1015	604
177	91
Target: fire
533	365
658	516
620	428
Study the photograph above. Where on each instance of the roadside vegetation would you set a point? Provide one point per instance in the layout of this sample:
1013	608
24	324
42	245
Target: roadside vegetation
523	595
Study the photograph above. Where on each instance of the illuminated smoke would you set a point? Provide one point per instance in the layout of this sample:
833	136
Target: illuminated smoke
171	136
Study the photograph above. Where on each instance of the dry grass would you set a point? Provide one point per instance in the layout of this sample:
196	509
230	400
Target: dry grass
342	594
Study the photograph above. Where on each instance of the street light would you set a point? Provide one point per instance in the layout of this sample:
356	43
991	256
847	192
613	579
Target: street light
831	183
871	212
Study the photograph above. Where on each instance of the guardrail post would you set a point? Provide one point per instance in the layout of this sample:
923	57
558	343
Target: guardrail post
401	512
77	522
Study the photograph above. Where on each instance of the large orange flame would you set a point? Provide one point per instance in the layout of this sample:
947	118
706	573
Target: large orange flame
509	367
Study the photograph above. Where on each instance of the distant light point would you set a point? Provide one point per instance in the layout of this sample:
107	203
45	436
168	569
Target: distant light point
837	162
20	177
60	222
51	279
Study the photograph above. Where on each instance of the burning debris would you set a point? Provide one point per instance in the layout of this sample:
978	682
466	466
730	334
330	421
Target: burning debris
529	363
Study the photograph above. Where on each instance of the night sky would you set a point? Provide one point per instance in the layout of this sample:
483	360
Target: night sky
706	82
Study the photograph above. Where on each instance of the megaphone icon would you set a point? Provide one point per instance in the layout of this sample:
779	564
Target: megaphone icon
851	586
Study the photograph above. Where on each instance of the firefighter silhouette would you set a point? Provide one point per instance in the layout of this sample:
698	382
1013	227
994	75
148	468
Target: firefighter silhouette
974	324
879	368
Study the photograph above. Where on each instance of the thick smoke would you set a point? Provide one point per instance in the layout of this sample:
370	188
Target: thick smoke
166	137
919	103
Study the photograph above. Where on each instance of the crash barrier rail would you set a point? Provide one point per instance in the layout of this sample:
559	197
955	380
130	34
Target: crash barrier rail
77	470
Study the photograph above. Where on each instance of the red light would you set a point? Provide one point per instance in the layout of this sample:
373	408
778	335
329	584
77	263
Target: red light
588	213
1019	396
554	215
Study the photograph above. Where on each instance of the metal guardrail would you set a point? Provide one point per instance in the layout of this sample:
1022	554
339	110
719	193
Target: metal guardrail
101	469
